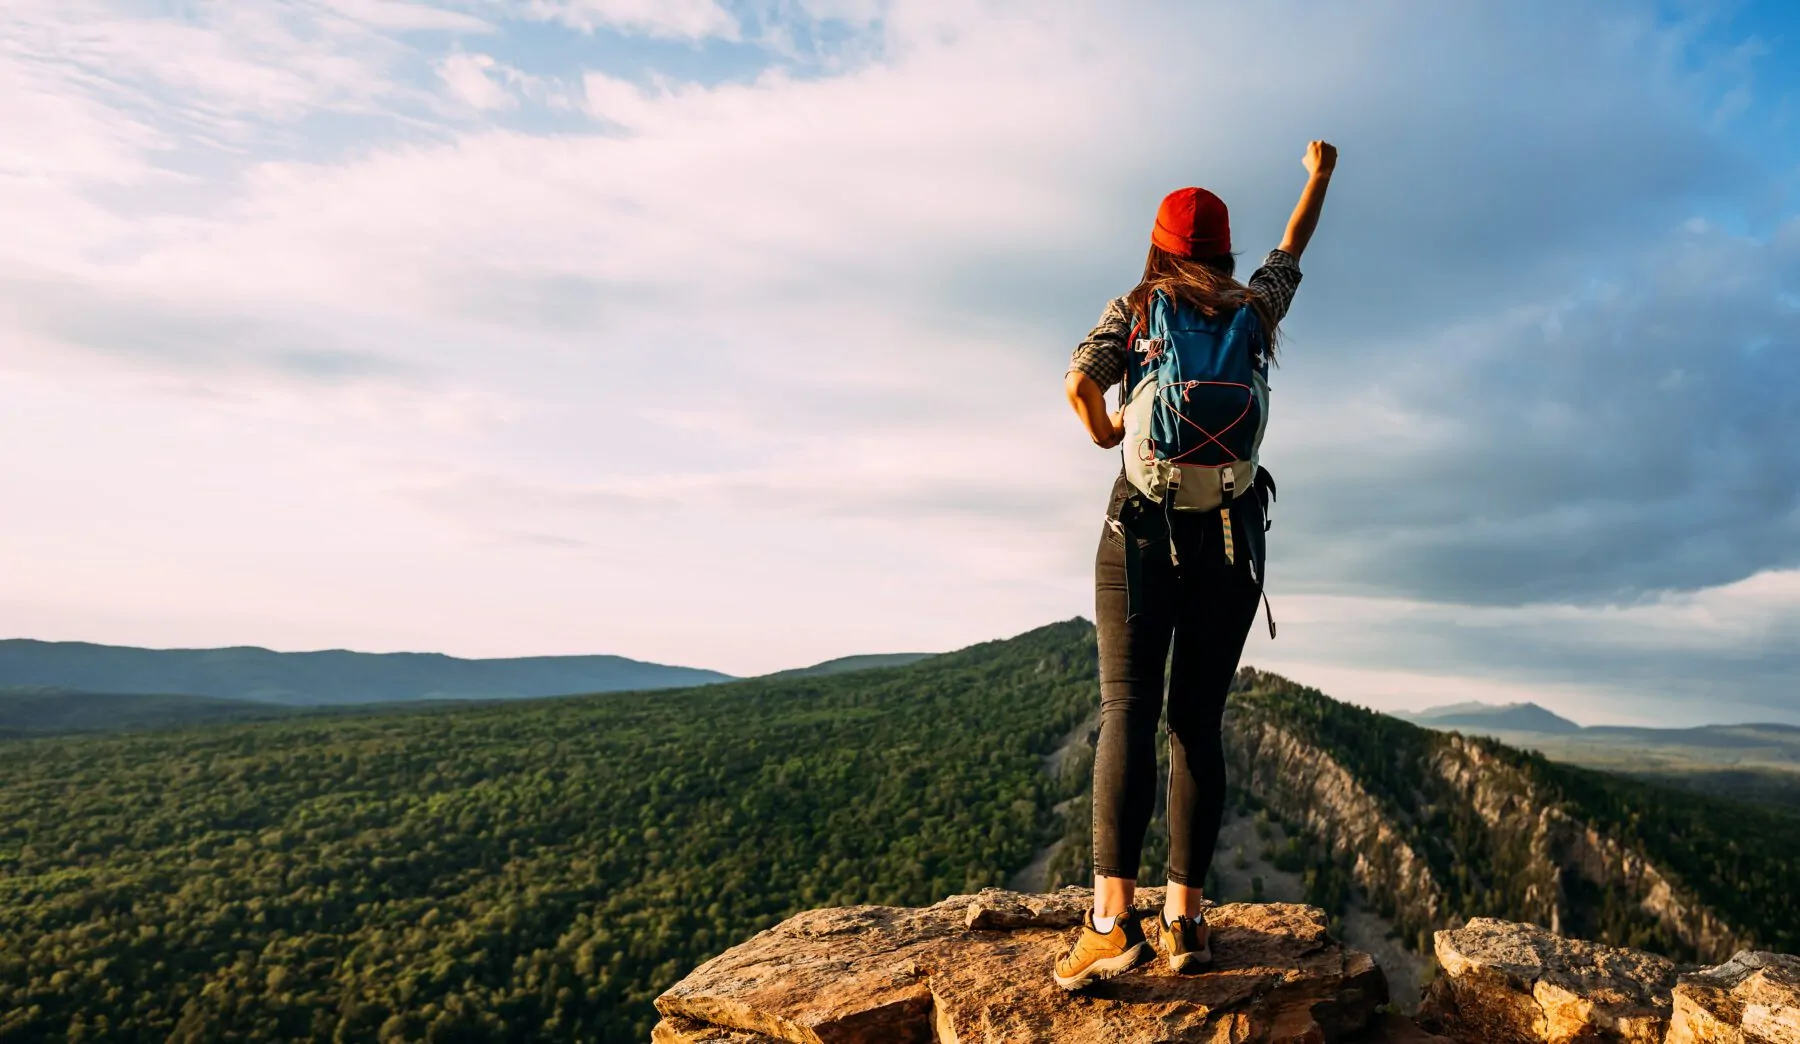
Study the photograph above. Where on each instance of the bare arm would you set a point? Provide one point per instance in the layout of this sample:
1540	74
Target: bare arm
1320	161
1089	400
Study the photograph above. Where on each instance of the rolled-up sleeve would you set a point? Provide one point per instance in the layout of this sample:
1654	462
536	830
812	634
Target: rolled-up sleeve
1276	281
1101	354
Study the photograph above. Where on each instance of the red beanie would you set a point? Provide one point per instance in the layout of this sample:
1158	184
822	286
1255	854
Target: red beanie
1192	222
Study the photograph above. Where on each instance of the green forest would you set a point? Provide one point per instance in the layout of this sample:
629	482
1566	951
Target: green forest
31	711
532	871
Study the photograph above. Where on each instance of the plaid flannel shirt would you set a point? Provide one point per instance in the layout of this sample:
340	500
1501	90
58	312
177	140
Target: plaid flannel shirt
1101	354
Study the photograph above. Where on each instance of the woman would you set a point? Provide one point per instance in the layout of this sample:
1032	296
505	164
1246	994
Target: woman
1186	589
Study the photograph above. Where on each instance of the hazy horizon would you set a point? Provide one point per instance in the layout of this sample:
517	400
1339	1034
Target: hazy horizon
1375	700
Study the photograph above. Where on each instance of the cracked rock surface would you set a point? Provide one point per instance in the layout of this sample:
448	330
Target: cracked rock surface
975	969
1506	983
1754	998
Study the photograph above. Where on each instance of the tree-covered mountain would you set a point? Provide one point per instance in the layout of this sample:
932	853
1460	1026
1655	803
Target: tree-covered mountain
33	711
541	870
323	678
527	871
845	664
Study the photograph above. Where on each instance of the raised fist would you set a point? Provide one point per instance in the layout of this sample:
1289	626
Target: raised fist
1320	157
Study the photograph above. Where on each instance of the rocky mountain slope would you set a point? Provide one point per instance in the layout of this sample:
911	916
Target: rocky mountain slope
1425	829
1438	827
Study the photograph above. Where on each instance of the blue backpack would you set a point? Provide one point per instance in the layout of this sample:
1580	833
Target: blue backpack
1196	403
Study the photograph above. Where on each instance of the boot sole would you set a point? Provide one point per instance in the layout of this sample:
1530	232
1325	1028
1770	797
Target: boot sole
1181	962
1106	967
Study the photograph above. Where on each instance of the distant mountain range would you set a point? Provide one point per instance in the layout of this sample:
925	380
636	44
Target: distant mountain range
1759	761
57	687
1776	745
1516	717
332	677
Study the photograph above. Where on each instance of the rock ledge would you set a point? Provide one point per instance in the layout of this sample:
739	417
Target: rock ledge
975	969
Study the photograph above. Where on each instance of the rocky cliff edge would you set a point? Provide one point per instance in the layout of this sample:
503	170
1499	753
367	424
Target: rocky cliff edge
975	969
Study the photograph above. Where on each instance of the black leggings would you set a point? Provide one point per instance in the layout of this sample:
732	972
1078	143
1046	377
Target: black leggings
1205	606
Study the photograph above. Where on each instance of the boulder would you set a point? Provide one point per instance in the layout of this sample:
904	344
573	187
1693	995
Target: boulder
1754	998
1506	983
975	969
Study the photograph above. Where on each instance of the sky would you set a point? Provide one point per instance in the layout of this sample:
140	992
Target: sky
733	334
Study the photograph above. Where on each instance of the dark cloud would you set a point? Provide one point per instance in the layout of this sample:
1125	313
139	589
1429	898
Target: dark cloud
1718	655
1642	439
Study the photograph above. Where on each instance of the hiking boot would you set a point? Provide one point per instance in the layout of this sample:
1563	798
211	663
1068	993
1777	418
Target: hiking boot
1187	941
1097	956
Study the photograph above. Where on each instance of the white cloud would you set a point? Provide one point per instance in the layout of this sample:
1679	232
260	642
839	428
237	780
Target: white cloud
851	12
471	77
678	19
230	62
614	100
793	341
408	17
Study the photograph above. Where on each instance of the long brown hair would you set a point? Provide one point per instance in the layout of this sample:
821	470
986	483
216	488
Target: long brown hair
1204	284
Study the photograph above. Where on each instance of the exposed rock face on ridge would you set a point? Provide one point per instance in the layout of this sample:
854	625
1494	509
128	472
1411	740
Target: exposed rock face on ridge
1506	983
1516	840
1306	785
975	969
1509	804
